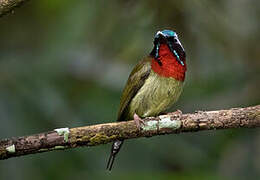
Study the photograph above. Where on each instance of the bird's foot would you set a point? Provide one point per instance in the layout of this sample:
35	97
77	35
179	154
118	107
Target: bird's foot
138	121
177	113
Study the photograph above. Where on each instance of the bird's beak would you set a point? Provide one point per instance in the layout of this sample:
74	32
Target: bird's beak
162	38
174	52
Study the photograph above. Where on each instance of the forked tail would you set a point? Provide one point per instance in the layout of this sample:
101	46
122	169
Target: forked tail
115	149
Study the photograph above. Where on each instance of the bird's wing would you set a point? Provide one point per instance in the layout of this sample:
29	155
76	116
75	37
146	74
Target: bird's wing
135	81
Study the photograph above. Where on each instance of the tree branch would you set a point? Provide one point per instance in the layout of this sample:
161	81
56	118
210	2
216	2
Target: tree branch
171	123
7	6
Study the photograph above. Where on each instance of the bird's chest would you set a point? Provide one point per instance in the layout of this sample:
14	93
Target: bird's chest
156	95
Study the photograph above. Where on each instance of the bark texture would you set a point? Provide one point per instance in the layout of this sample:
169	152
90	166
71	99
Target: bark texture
7	6
171	123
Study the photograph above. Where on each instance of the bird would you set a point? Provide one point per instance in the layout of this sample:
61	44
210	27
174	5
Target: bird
154	84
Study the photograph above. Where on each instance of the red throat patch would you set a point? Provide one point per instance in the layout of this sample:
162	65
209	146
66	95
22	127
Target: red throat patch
170	67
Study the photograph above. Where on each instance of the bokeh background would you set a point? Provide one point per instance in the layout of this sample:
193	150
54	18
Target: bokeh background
64	63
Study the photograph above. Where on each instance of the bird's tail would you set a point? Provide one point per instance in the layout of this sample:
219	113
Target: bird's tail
115	149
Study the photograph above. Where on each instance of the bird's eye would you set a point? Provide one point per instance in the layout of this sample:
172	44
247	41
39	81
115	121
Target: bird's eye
175	40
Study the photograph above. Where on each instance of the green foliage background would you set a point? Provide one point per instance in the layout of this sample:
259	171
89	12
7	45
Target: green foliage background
64	64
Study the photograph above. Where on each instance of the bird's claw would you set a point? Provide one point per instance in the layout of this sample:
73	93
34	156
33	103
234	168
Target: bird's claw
177	113
138	121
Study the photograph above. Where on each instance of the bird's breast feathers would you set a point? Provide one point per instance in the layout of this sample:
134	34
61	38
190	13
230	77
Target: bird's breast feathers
156	95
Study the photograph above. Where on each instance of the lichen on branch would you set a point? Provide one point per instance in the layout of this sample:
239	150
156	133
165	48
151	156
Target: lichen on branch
171	123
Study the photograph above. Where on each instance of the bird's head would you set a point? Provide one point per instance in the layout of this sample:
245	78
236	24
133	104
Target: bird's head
169	38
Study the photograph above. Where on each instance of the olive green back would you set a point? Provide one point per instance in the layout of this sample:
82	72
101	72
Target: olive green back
135	81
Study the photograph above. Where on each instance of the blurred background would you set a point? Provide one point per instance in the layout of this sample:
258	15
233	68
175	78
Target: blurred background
64	64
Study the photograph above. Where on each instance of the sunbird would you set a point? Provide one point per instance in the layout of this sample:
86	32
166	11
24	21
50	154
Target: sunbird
154	84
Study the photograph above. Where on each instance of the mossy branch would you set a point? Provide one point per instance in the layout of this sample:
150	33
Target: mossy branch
7	6
172	123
